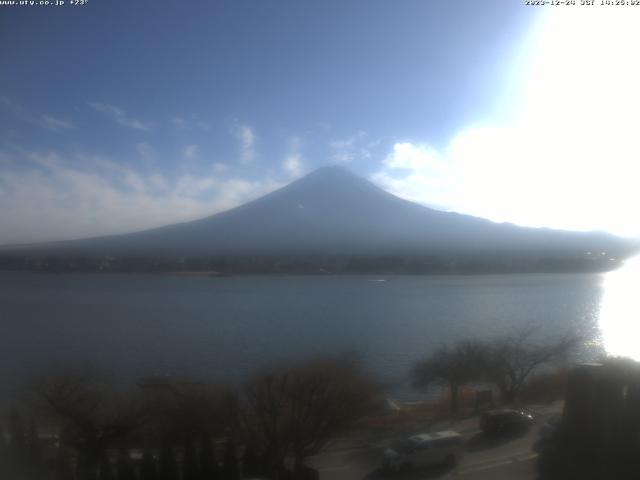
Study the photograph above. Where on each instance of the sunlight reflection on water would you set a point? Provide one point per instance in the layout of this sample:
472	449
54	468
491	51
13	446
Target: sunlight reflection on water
620	310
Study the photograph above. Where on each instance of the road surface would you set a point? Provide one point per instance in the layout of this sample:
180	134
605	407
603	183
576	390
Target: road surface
506	458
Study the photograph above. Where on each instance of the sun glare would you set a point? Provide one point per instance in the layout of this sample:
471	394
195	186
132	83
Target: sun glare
620	311
565	155
580	115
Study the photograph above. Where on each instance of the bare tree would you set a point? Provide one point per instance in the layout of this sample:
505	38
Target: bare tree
185	412
93	414
512	359
182	409
296	411
452	367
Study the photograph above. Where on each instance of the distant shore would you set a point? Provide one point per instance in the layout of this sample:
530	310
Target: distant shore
194	273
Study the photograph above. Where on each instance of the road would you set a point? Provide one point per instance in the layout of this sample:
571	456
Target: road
506	458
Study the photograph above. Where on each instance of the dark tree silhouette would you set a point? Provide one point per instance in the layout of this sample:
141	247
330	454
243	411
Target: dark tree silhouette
253	463
189	462
183	407
452	367
512	359
93	414
167	465
17	437
124	467
4	457
15	453
296	411
508	362
34	448
230	470
148	469
62	465
206	457
105	470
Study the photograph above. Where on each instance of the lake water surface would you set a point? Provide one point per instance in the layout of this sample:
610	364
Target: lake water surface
226	327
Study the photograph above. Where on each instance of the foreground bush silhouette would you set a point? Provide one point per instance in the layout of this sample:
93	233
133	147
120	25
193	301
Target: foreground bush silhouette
148	467
187	430
21	455
295	411
94	415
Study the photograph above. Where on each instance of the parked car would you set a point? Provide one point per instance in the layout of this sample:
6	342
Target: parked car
505	421
424	450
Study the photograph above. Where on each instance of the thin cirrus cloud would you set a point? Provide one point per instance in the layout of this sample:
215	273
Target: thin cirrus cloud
119	116
182	123
348	149
45	197
347	142
179	122
247	137
44	120
56	124
191	152
145	151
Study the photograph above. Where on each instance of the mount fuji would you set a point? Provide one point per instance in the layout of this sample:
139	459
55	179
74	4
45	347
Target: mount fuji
333	213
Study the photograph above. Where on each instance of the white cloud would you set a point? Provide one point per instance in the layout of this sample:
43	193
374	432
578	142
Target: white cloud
348	149
409	156
119	115
247	138
347	142
179	122
292	164
52	123
44	120
46	197
145	151
568	158
343	157
191	151
506	174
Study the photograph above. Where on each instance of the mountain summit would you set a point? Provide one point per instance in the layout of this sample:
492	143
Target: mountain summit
333	212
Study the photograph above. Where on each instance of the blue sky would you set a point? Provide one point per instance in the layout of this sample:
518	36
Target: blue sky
117	116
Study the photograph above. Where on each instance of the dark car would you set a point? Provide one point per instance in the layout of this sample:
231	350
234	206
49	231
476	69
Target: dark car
505	421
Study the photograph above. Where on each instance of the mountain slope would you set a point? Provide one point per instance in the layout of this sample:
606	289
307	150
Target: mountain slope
334	212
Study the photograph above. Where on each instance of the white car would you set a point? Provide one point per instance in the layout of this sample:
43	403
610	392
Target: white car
424	450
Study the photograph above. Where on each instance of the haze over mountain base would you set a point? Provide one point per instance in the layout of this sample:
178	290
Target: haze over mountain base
331	221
